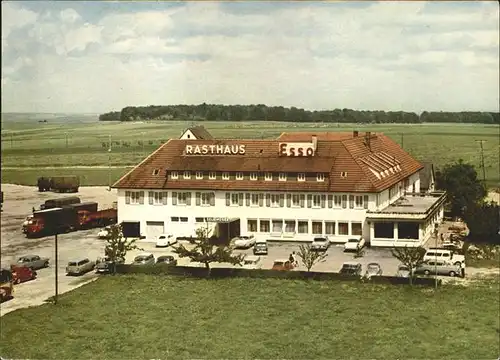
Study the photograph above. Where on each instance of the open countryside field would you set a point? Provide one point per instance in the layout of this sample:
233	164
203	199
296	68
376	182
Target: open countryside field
31	149
183	318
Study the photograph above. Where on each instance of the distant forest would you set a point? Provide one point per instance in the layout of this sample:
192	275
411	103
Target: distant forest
210	112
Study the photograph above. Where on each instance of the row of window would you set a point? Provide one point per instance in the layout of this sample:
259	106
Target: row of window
284	226
253	200
268	176
292	227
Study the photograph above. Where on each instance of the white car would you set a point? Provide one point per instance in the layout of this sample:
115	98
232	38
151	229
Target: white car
252	262
165	240
104	233
243	242
321	243
354	244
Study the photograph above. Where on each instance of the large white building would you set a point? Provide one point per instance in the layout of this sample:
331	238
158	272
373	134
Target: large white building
295	187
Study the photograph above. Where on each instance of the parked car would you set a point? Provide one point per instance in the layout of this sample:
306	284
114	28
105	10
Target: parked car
440	268
403	271
167	260
446	255
354	244
320	243
373	269
144	259
80	267
282	265
260	248
351	268
104	233
252	262
165	240
34	262
105	265
244	242
22	273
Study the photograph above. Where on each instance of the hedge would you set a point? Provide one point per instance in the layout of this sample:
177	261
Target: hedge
220	273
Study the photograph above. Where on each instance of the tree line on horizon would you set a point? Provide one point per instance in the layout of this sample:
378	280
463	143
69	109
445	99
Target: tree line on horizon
214	112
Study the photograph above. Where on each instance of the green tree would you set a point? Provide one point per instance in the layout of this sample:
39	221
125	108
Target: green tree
117	246
206	252
462	185
309	257
483	221
411	257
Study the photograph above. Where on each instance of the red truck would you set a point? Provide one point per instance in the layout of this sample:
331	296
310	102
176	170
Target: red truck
68	218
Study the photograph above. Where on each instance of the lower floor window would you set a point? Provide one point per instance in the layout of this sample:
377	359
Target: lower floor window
356	229
252	225
277	226
303	227
199	219
329	228
264	226
184	219
343	228
174	219
290	226
317	227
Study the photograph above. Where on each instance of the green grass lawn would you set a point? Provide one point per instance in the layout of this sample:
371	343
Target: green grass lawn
57	143
146	317
88	177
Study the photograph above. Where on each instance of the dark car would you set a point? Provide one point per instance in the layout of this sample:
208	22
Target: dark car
351	269
106	265
166	259
260	248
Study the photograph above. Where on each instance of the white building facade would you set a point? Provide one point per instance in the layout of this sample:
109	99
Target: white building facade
274	205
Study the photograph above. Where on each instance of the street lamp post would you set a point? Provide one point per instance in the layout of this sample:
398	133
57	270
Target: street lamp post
109	163
56	261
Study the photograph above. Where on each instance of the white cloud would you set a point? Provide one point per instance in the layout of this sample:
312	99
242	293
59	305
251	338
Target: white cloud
14	17
385	56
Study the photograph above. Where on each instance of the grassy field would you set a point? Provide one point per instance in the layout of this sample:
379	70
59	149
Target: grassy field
146	317
59	143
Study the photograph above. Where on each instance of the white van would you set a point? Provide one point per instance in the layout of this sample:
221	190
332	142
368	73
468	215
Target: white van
446	255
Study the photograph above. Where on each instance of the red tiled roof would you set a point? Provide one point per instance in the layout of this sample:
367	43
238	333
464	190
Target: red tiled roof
337	154
200	132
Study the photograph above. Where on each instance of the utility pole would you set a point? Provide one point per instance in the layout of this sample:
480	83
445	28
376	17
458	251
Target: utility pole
56	256
482	158
109	162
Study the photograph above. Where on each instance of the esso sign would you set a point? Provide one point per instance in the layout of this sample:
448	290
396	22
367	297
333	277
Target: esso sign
296	150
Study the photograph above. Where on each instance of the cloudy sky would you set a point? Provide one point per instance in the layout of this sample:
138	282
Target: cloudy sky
93	57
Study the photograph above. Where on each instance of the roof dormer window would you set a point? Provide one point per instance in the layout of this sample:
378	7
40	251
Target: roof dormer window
187	175
253	176
225	176
156	171
343	174
199	175
320	177
282	177
212	175
174	175
301	177
268	176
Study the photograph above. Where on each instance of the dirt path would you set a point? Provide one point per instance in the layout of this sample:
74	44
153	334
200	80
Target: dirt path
65	167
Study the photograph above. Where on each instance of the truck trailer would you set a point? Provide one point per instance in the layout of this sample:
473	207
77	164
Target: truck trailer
69	183
54	203
69	218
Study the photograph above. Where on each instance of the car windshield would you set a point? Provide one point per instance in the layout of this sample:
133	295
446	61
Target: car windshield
73	263
244	237
279	263
21	260
352	240
162	237
403	268
141	258
373	266
319	239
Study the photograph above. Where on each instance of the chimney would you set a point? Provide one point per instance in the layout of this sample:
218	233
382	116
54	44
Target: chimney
368	137
355	133
315	142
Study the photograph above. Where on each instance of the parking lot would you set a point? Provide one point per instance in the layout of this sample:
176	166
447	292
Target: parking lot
19	201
